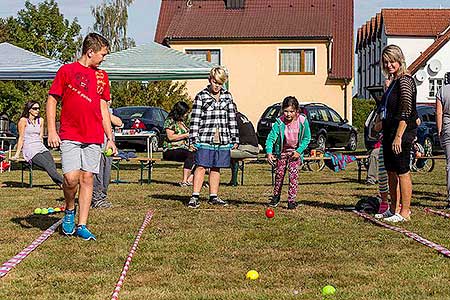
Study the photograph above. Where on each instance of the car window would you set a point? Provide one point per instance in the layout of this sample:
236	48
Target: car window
335	117
313	114
432	116
272	112
423	116
323	115
153	114
164	114
129	112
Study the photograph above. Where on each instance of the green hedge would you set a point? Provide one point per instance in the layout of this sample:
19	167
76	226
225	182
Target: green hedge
360	110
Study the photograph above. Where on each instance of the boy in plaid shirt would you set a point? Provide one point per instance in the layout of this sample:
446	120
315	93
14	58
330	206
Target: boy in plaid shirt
213	134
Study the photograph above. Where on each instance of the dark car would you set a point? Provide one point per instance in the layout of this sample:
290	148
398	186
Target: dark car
328	129
426	132
141	118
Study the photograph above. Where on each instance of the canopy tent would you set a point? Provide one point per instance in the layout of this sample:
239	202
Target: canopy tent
153	61
147	62
19	64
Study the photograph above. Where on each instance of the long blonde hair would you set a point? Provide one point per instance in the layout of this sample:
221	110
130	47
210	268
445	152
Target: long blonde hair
393	53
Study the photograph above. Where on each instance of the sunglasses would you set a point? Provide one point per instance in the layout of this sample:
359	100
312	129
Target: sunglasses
34	108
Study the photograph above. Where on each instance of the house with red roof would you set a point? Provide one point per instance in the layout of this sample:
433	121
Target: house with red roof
422	34
271	48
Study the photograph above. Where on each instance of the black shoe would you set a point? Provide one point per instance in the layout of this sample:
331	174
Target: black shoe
275	201
292	205
193	202
217	201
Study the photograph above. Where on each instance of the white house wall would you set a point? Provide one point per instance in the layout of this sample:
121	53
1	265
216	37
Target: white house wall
443	56
412	47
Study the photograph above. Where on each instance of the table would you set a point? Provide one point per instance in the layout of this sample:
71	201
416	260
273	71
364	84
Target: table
120	136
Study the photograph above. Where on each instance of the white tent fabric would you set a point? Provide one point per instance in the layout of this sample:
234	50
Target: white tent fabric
153	61
19	64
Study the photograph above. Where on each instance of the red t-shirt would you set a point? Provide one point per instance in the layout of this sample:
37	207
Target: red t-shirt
81	89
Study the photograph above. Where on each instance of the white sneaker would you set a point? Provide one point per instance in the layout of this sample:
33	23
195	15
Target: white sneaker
384	215
395	218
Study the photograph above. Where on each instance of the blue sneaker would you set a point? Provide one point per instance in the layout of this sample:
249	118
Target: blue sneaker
68	224
84	233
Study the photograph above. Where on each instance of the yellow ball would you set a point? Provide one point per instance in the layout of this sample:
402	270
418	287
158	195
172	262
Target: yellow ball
252	275
57	209
328	290
109	152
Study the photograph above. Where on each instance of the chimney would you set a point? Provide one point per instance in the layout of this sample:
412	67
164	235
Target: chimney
234	4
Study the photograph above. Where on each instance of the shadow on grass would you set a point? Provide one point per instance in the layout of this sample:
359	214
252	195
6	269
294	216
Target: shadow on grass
16	184
333	206
42	222
185	200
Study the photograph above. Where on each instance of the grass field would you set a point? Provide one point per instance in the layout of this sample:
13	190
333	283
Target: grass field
205	253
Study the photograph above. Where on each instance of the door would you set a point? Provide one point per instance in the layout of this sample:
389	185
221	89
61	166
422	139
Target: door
341	132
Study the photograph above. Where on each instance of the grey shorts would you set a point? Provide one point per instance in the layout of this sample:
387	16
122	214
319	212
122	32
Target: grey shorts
78	156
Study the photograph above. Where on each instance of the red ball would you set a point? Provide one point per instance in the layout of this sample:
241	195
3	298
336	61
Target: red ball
270	213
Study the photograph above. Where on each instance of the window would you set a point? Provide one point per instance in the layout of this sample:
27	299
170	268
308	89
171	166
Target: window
272	112
323	115
213	56
435	85
297	61
335	117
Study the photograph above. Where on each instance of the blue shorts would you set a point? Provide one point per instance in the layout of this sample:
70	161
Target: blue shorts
212	156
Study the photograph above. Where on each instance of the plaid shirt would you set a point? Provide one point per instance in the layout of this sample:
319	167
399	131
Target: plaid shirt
209	114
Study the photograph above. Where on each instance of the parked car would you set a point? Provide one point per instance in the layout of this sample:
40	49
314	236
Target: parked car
142	118
426	132
328	128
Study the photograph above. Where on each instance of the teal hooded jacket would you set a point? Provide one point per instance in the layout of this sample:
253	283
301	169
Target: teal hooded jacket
275	139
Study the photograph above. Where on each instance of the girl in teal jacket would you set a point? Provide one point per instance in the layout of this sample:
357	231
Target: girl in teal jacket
289	137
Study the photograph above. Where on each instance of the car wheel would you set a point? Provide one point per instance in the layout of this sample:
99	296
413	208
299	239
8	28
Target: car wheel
352	142
321	142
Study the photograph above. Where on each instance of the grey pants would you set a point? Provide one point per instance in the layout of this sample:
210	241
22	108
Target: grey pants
372	172
45	161
101	180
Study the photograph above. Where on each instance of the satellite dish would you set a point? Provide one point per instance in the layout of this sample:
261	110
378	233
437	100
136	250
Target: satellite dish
420	75
435	65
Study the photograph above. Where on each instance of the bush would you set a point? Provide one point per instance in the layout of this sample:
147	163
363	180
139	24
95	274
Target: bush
360	110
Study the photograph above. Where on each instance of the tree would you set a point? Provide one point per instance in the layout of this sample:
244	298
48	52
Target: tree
154	93
42	29
111	21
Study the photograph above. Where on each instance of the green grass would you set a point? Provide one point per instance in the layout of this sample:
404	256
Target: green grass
205	253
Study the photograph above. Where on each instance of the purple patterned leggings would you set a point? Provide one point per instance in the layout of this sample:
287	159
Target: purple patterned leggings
292	165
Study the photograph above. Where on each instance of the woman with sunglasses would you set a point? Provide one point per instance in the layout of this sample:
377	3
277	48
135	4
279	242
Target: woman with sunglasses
31	131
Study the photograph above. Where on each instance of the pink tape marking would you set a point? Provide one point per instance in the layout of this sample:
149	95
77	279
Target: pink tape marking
126	266
7	266
441	249
437	212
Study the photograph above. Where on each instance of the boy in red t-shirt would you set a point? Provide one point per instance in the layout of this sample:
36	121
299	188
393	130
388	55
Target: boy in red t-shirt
83	90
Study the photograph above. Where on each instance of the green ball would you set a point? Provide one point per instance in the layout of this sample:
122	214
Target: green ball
328	290
37	211
109	152
44	211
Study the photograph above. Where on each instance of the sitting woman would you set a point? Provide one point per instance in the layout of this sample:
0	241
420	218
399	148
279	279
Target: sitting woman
176	144
31	130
